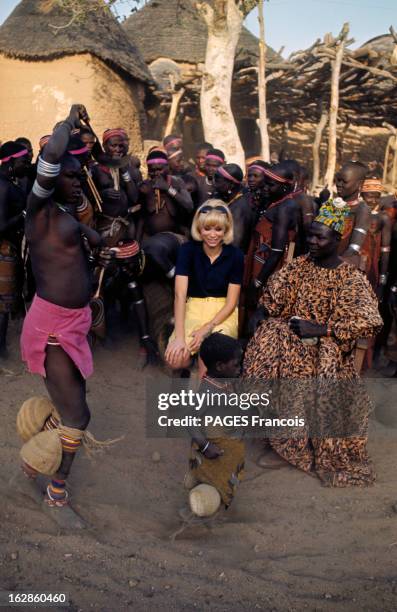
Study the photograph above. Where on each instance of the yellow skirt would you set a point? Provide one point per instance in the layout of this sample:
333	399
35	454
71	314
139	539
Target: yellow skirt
200	311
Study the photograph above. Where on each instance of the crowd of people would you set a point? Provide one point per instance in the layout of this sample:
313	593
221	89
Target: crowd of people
302	283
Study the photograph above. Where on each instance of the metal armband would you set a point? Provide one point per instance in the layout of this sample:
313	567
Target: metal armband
40	192
44	168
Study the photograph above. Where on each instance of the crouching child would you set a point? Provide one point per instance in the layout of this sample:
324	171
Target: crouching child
217	452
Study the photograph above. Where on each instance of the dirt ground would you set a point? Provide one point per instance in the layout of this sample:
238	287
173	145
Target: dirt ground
288	544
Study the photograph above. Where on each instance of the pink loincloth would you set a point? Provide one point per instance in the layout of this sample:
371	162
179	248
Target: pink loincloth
67	326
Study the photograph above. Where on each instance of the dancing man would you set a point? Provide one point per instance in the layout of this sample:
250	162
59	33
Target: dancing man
54	336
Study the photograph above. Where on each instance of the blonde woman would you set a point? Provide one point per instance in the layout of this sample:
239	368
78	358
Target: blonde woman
208	279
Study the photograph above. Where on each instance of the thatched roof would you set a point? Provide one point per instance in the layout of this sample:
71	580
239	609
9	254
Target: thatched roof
27	34
173	29
383	44
383	50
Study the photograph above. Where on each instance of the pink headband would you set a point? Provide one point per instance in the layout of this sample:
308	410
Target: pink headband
172	142
175	153
256	167
111	133
228	176
216	157
79	151
276	177
14	156
157	160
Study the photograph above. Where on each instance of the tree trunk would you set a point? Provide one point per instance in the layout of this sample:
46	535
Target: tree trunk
176	98
394	169
386	162
262	122
316	149
224	22
334	108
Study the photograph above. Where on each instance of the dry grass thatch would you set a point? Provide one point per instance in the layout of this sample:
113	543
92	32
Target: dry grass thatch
173	29
28	34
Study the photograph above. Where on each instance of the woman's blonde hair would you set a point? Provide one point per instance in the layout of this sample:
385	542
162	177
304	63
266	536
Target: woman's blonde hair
205	217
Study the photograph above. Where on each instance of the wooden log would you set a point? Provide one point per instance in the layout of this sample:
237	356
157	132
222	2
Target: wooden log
176	98
262	120
334	107
316	148
377	71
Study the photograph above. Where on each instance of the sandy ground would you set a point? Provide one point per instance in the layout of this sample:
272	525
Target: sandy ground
288	544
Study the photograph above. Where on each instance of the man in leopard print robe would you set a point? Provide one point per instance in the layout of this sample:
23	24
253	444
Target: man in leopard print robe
321	297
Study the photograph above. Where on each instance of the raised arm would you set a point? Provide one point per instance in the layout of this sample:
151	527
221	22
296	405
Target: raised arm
48	166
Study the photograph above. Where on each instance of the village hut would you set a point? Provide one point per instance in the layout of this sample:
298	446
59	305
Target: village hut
45	67
172	38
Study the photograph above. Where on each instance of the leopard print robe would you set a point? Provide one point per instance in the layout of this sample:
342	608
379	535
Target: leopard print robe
342	297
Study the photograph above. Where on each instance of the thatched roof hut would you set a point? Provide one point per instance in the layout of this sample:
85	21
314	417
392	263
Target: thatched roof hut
383	48
46	67
172	38
173	29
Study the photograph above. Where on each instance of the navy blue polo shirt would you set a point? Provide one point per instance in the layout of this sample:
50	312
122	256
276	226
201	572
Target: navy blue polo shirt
208	279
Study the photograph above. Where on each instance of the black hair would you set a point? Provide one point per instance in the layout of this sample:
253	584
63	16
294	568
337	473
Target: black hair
10	148
75	143
204	145
235	171
261	163
293	167
67	160
286	169
323	197
216	152
86	130
169	138
23	141
360	166
157	154
218	348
